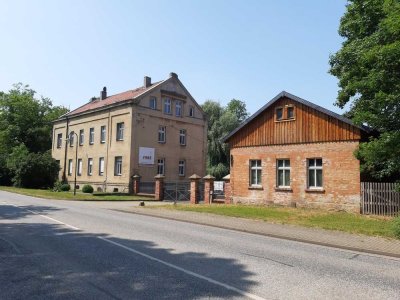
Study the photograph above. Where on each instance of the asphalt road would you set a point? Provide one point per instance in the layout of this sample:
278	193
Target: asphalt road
86	250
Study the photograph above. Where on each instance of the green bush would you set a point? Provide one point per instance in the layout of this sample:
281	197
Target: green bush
65	187
87	188
396	227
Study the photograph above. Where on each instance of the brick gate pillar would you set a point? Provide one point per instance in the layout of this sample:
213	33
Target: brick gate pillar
159	192
194	188
208	188
227	189
135	182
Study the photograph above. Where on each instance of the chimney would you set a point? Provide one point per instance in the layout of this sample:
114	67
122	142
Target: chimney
172	74
103	93
147	81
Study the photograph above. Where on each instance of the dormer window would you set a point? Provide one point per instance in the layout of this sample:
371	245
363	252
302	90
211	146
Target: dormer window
285	113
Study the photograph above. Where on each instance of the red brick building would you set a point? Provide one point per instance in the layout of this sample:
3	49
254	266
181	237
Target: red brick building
293	152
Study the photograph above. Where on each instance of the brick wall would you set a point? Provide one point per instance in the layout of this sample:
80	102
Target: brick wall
341	176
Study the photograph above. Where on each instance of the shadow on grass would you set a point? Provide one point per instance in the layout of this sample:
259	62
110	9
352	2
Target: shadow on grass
52	261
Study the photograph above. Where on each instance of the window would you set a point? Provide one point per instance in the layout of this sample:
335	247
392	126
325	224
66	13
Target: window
283	173
71	139
91	136
120	131
59	140
279	113
315	173
103	134
70	167
290	112
118	166
81	136
153	103
58	162
181	168
167	106
255	172
101	166
162	134
161	166
182	137
90	166
79	167
178	108
191	111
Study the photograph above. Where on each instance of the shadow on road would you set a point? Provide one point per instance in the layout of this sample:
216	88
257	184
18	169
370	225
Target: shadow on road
12	213
39	260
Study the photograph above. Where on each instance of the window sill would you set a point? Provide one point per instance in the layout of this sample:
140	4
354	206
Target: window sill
120	140
321	190
283	189
256	187
161	142
285	120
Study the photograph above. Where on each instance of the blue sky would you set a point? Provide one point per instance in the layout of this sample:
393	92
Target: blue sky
248	50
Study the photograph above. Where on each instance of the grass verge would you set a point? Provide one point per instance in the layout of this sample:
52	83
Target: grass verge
49	194
342	221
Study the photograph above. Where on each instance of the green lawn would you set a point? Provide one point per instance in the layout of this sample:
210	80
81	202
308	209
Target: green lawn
49	194
353	223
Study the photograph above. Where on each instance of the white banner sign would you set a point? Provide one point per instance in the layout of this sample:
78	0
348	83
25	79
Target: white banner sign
146	156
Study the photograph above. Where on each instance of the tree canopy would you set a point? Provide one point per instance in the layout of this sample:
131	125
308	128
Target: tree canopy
221	121
25	136
368	69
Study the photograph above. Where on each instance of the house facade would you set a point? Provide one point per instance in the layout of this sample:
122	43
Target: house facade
295	153
155	129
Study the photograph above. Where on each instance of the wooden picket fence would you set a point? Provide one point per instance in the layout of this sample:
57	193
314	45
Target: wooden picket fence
379	198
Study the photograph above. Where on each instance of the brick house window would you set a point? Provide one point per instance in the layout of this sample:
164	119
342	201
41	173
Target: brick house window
283	173
279	113
81	137
90	166
103	134
191	111
79	173
255	172
161	166
71	138
120	131
118	166
178	108
59	140
70	167
167	106
153	103
91	136
182	137
162	134
101	166
181	168
314	173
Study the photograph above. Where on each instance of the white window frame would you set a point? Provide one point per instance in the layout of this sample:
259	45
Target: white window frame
284	168
81	137
178	108
162	134
80	166
101	166
167	106
103	133
258	172
181	167
182	137
91	136
70	167
90	166
59	140
314	168
120	131
153	102
118	166
161	166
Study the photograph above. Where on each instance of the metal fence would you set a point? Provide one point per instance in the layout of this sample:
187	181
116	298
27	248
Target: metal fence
379	198
177	191
147	187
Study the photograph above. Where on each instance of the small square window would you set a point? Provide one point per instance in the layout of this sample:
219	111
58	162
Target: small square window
279	113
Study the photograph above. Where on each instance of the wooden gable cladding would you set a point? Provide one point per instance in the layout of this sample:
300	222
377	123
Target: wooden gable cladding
309	125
